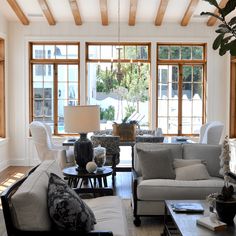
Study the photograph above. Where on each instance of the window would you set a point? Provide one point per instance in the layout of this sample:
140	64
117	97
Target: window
2	90
120	97
181	88
54	82
233	98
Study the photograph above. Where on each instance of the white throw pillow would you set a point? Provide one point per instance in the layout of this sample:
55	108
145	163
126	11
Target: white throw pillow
192	172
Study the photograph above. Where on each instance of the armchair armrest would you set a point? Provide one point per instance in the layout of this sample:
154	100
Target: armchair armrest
134	190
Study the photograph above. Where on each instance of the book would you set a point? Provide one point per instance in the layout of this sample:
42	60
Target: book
215	225
187	208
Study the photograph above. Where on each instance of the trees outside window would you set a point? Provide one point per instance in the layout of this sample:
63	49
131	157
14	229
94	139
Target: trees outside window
128	96
54	82
181	88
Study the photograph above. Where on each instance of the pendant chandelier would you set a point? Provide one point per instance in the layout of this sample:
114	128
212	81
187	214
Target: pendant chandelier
119	73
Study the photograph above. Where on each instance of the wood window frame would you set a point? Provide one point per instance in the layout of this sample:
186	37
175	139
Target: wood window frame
232	121
2	89
55	62
180	63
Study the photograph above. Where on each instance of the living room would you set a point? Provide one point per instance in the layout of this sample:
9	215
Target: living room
16	146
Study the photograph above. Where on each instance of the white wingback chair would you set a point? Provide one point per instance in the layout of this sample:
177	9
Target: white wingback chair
211	132
46	150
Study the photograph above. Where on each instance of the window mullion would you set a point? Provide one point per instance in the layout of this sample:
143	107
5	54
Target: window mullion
55	102
180	99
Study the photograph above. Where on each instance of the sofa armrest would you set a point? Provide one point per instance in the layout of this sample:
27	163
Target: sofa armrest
134	190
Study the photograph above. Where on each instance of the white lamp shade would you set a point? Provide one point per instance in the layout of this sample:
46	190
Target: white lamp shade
81	119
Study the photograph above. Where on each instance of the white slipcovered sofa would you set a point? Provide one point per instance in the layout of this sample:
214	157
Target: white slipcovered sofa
26	200
148	195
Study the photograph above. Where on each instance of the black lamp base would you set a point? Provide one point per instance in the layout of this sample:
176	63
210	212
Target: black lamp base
83	150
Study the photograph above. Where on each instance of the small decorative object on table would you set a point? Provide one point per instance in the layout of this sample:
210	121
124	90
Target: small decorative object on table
100	156
91	166
224	202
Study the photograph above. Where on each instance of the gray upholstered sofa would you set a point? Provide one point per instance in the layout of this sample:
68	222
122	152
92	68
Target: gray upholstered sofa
26	212
148	195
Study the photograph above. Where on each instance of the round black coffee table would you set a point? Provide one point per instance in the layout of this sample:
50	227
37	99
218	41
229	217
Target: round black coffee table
78	177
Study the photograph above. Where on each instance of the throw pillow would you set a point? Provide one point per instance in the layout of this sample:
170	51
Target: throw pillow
187	162
156	164
66	209
192	172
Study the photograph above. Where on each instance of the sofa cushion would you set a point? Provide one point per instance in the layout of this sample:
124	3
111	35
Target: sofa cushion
175	151
168	189
30	200
177	163
209	153
192	172
110	214
156	164
67	210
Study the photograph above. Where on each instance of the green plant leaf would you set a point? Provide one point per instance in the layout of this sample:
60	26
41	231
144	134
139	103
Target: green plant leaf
213	2
229	7
233	48
232	21
223	30
211	14
217	41
222	50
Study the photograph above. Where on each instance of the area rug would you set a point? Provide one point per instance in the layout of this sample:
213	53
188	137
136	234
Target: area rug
150	225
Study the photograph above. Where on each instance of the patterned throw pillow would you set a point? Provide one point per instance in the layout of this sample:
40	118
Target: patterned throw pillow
66	209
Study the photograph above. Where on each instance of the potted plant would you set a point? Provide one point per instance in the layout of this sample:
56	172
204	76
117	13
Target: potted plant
224	202
226	40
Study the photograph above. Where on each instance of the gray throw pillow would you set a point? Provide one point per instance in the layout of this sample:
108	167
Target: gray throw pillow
156	164
66	209
187	162
192	172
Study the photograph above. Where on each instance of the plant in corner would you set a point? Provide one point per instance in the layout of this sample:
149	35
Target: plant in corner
224	202
226	40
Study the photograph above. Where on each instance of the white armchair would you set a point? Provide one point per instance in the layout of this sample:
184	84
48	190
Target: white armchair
211	132
46	150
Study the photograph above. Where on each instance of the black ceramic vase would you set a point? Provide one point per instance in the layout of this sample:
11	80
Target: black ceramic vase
226	211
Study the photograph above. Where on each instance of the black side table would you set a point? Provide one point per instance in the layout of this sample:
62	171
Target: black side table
78	177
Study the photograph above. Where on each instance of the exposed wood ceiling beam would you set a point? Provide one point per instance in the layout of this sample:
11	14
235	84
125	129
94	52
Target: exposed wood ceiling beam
161	12
19	13
189	12
132	11
104	14
75	11
46	11
212	20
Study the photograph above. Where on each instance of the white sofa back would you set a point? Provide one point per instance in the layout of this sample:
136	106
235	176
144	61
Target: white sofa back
209	153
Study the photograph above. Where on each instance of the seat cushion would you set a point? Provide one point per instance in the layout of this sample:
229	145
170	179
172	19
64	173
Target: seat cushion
168	189
109	213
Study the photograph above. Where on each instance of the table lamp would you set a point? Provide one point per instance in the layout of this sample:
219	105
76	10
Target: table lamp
82	119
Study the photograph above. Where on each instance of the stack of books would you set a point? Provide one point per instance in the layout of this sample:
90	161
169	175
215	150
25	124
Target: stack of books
188	208
215	225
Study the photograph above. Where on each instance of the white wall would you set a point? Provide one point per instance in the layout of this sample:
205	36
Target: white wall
4	153
22	150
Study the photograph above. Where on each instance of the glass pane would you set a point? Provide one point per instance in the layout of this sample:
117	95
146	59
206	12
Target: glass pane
186	52
106	52
162	107
162	73
197	52
49	51
163	52
38	90
175	52
162	91
175	73
73	91
36	75
60	51
173	107
73	73
62	91
142	52
130	52
116	52
197	91
62	72
197	123
186	108
38	108
48	105
48	90
197	107
186	125
162	122
40	70
73	103
172	125
38	52
187	73
174	91
48	73
72	52
198	73
187	91
93	52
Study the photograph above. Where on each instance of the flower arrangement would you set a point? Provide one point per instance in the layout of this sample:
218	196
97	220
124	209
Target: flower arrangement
228	189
